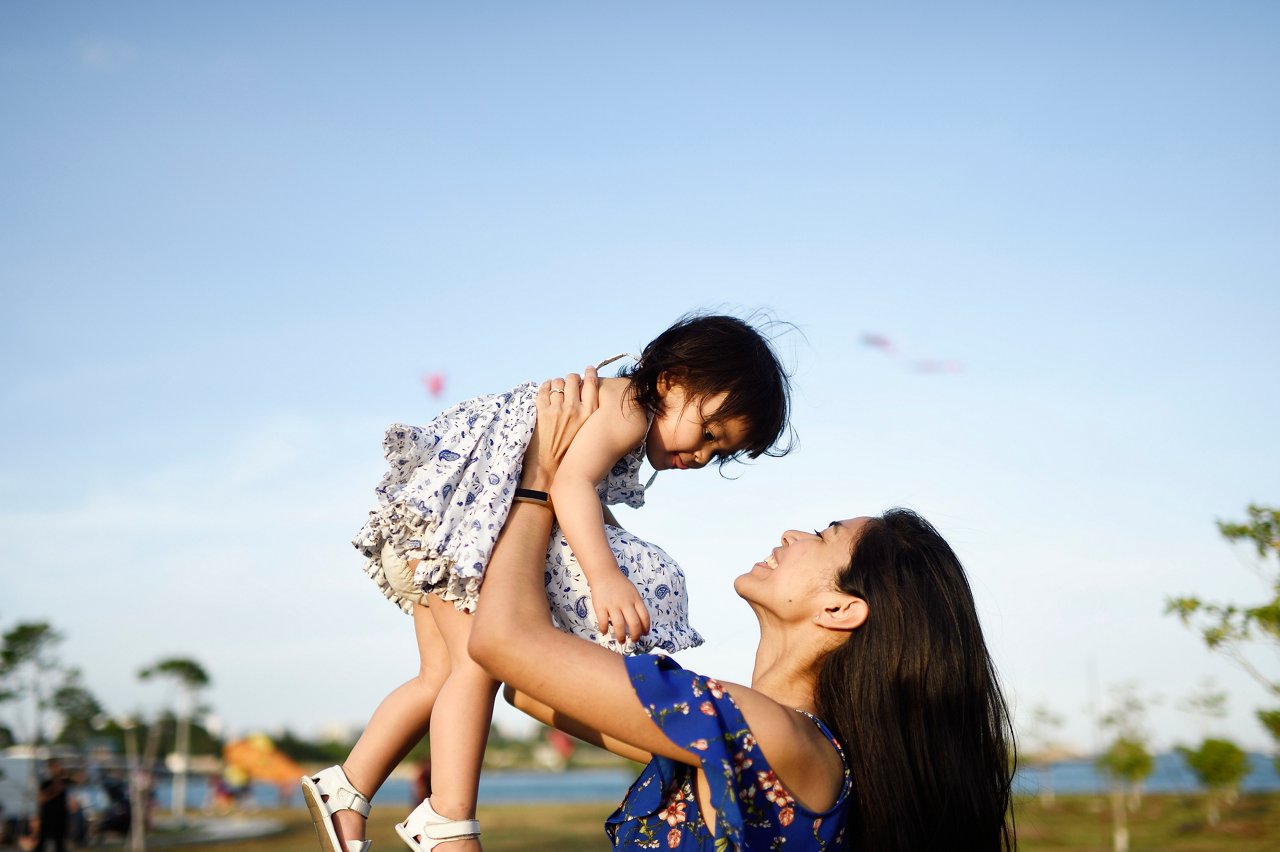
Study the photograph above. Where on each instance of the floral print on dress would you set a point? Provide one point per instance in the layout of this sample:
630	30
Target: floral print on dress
655	575
447	492
754	811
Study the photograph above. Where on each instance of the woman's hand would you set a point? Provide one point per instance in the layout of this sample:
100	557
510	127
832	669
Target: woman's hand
563	406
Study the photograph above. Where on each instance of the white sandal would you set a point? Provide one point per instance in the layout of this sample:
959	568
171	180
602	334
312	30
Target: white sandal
328	792
434	829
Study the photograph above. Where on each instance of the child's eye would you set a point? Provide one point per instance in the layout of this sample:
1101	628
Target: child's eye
707	436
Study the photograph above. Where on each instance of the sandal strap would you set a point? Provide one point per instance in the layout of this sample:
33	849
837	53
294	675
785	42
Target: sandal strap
452	829
342	795
429	825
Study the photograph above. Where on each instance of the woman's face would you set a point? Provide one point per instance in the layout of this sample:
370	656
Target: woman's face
803	565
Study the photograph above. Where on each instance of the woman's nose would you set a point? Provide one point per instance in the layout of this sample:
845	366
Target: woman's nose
792	536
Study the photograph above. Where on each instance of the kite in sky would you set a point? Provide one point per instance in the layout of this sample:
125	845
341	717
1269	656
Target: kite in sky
919	365
434	383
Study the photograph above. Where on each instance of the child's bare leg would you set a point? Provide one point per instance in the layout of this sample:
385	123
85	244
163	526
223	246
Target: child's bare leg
400	721
459	725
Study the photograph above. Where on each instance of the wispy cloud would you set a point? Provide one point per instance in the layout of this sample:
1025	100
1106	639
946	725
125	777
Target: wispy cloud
104	54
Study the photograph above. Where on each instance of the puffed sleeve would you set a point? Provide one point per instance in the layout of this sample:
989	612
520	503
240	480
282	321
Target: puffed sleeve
698	715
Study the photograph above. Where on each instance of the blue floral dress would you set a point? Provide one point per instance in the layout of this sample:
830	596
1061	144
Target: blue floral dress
444	500
753	810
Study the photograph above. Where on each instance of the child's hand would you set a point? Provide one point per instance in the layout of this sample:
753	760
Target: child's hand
617	603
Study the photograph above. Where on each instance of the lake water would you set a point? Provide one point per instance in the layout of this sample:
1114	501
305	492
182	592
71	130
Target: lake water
1171	775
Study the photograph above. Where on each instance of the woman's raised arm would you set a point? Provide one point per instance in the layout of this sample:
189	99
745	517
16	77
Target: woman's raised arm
512	635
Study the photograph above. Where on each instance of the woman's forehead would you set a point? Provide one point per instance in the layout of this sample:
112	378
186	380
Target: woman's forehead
850	525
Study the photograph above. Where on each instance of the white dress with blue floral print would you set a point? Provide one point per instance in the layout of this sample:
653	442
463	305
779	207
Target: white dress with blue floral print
447	493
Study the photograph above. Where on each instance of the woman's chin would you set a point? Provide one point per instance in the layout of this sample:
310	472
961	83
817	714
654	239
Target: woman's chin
744	585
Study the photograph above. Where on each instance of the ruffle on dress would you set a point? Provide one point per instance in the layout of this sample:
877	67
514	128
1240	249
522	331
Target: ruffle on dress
447	492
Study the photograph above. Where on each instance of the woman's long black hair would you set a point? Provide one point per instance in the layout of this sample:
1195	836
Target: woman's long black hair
914	698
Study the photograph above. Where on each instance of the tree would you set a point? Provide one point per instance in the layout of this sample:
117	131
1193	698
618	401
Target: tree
1219	766
190	677
1231	629
1042	750
79	709
1127	762
27	664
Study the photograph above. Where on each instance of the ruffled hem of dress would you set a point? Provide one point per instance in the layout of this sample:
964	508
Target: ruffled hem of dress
408	530
656	640
374	571
441	576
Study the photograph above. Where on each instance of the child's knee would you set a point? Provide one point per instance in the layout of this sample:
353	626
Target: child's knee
433	673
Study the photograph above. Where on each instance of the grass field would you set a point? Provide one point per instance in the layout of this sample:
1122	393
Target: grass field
1174	823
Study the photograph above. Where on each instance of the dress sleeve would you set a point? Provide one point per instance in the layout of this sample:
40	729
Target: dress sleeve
698	715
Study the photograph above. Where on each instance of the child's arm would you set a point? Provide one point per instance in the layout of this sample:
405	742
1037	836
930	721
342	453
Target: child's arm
609	434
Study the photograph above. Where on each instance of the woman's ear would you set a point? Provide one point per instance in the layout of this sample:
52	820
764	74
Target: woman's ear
842	612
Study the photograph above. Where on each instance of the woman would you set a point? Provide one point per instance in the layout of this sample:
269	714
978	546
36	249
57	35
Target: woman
867	625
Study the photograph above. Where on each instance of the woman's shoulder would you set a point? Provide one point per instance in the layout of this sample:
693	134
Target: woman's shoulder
691	709
801	752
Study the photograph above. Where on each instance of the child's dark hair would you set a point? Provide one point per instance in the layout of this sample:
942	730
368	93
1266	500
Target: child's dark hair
709	354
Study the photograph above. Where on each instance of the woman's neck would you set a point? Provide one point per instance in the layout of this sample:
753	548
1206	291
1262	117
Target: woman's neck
786	669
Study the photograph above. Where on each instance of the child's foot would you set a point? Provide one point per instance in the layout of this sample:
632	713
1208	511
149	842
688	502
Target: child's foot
350	828
338	810
425	829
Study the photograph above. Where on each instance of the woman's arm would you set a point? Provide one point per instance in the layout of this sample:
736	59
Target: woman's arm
513	639
550	716
512	635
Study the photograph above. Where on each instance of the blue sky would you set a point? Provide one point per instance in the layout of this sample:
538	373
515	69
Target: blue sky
234	236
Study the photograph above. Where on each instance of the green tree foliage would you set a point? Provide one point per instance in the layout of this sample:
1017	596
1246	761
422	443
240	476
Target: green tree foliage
1220	766
1126	762
190	677
187	672
27	666
79	709
1231	628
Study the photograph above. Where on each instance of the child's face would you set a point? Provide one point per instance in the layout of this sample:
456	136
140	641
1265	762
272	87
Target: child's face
682	439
